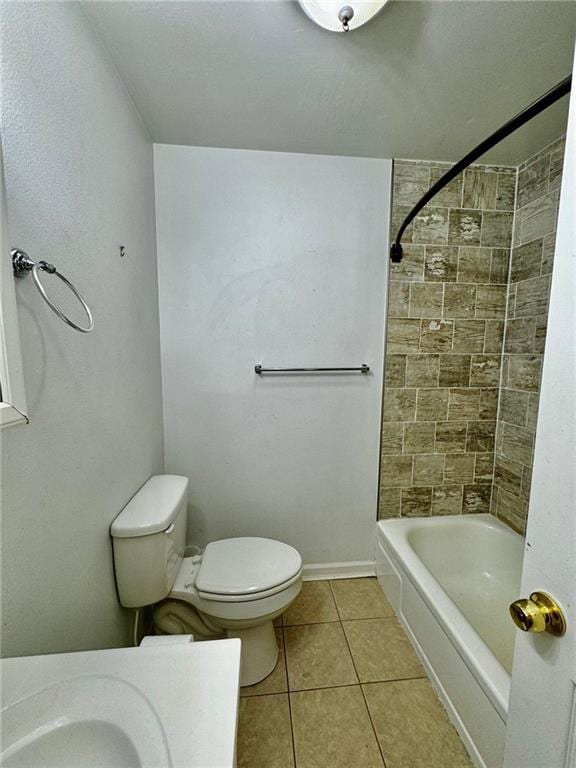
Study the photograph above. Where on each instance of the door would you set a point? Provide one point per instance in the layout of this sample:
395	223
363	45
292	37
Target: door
542	718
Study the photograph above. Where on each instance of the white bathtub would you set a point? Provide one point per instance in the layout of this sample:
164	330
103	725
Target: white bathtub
450	581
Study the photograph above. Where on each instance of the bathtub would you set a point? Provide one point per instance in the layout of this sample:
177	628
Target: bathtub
450	581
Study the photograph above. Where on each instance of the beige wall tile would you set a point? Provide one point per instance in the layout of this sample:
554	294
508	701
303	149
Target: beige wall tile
512	509
431	226
491	301
533	180
395	371
436	335
412	726
454	370
381	650
459	468
398	299
520	333
474	264
332	729
494	336
399	404
508	474
526	260
497	229
447	500
313	605
388	503
459	300
463	404
264	733
524	372
419	437
412	265
499	265
410	183
416	502
532	296
464	227
476	499
488	404
360	599
479	188
484	469
402	336
450	436
422	370
441	263
426	299
506	191
451	195
480	436
432	404
556	162
517	444
469	335
514	406
485	371
392	437
428	470
537	218
317	656
396	471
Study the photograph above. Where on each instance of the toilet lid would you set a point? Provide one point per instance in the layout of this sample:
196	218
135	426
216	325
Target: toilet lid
246	565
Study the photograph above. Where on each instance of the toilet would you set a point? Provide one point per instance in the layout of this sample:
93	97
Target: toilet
235	588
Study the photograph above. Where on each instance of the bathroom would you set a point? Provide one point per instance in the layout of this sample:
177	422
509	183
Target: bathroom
221	184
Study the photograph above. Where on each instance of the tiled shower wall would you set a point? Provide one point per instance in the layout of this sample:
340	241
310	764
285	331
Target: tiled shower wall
450	301
525	331
446	312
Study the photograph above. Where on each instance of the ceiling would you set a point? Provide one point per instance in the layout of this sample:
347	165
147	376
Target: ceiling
422	80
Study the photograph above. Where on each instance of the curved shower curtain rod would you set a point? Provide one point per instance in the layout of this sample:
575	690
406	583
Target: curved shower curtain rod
549	98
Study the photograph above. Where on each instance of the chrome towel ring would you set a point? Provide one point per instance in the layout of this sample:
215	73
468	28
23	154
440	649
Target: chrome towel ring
22	264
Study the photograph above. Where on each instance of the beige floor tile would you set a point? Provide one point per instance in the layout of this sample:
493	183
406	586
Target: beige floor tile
412	727
332	729
317	656
274	683
313	605
360	599
381	650
264	734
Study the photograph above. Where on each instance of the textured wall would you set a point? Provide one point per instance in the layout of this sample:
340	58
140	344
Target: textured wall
525	331
79	180
446	312
257	265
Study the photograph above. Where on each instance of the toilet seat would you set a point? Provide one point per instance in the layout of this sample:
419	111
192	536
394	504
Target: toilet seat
247	568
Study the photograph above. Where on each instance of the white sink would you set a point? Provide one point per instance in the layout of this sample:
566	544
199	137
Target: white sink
150	707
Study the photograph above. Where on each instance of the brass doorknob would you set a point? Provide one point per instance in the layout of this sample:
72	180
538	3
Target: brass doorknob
540	613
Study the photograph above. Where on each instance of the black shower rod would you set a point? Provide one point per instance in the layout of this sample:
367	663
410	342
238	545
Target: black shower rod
549	98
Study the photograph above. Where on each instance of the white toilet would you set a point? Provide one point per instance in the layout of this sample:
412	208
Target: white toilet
236	588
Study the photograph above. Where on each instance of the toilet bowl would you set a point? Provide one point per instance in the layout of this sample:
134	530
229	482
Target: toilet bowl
236	588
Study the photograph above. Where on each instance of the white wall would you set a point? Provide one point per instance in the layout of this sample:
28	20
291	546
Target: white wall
279	259
79	180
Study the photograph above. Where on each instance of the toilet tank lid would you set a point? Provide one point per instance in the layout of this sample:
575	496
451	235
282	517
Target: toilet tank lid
153	508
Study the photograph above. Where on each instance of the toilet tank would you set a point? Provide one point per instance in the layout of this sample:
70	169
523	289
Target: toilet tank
148	539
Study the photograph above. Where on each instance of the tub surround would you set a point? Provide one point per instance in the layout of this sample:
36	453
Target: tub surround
525	331
446	311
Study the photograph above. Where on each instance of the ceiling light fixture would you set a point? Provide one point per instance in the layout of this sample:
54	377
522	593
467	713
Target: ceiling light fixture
341	15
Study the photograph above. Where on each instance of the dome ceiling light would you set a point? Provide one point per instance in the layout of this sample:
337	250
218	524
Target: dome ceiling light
341	15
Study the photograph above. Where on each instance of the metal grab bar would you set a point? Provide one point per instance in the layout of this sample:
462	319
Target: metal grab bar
22	264
258	369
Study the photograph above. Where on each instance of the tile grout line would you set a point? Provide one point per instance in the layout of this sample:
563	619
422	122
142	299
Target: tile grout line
288	696
358	676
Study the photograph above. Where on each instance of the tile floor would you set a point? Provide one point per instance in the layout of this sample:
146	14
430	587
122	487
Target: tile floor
347	692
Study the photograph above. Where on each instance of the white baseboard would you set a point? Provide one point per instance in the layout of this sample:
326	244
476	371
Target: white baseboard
352	570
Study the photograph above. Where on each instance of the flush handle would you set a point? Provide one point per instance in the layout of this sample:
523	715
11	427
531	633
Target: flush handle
540	613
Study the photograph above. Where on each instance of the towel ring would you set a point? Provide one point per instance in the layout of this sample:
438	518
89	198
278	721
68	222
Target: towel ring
22	264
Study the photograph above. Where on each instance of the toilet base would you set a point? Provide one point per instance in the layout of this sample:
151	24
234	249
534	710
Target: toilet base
259	652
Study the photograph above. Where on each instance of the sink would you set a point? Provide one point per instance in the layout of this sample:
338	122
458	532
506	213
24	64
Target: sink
150	707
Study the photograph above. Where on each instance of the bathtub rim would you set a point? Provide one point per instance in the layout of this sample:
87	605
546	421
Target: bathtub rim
488	672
